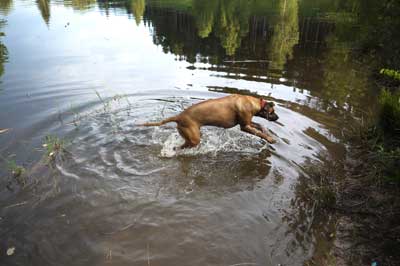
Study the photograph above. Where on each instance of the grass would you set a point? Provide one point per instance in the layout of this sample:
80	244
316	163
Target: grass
106	104
390	73
370	193
106	109
386	137
54	146
15	169
389	115
377	143
17	172
321	189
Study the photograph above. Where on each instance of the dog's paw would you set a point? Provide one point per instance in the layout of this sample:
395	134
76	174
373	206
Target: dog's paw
271	140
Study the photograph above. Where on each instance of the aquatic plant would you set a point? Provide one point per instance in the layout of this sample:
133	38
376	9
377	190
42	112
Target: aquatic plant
320	188
15	169
53	146
106	104
17	172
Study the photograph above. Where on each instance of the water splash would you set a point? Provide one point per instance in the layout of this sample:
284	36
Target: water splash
213	141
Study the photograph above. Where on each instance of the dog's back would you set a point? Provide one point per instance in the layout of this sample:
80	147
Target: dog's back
219	112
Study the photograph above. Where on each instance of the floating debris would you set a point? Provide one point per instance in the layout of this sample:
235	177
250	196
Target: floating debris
16	205
10	251
4	130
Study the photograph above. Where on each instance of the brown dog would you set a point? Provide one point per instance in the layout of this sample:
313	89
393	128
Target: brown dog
224	112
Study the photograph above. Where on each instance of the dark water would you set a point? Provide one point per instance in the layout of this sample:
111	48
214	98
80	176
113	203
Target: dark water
87	71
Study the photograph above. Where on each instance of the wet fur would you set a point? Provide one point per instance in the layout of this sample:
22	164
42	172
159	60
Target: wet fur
225	112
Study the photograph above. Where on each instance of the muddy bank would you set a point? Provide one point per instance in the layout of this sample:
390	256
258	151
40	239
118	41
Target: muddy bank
368	208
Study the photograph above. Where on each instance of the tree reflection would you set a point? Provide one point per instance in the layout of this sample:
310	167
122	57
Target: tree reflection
5	6
137	8
205	12
233	23
264	35
3	57
345	81
44	8
3	49
80	4
286	33
365	39
230	20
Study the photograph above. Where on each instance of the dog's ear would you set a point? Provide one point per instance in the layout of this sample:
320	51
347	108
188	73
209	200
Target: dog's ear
268	105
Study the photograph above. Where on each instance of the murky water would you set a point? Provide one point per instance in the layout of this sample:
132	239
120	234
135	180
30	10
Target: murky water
88	71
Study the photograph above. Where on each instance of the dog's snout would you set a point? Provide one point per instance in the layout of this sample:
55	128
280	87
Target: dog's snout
273	117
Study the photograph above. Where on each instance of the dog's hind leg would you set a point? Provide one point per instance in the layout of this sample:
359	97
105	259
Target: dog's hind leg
191	135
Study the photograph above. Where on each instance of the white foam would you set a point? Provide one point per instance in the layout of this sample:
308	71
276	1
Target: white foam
213	140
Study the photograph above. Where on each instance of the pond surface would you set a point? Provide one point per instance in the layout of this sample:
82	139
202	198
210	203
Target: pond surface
87	71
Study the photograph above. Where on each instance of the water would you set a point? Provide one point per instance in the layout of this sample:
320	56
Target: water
88	71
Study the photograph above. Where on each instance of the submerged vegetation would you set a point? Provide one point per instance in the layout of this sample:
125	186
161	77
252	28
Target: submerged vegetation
15	169
17	172
54	146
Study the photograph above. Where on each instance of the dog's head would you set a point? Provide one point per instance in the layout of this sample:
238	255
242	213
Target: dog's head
268	112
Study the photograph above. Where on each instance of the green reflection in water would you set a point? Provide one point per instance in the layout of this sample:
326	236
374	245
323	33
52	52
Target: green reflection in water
80	4
3	49
344	80
138	7
205	12
233	24
5	6
357	37
286	34
229	20
44	8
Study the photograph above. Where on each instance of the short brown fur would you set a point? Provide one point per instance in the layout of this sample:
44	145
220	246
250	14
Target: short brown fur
225	112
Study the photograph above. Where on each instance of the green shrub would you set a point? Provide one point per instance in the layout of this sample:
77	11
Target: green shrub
389	116
390	73
387	149
391	164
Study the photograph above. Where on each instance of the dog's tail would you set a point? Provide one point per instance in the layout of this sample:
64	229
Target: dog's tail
165	121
